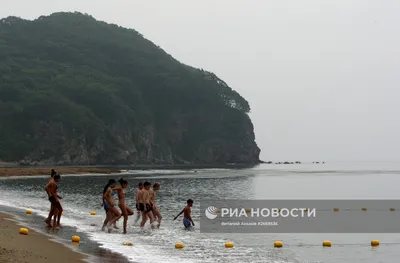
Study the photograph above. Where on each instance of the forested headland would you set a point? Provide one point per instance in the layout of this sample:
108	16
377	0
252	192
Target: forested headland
74	90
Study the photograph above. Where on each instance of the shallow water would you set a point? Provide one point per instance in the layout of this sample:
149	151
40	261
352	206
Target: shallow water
338	181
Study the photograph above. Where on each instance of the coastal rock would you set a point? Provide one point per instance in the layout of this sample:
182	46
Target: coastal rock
77	91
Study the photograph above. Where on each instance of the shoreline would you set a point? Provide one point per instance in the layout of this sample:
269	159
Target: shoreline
34	247
35	171
8	171
87	250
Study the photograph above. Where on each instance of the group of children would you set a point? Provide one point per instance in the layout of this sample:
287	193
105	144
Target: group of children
145	204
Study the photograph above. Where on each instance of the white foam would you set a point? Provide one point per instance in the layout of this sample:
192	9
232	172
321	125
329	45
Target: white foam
144	172
91	225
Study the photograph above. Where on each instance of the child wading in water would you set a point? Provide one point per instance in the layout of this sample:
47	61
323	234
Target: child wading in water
187	219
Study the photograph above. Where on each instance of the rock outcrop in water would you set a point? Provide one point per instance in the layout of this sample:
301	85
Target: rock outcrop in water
78	91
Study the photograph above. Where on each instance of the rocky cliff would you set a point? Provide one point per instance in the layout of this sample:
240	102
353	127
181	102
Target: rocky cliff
77	91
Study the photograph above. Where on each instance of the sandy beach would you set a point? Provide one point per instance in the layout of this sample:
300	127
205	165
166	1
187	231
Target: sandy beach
26	171
31	248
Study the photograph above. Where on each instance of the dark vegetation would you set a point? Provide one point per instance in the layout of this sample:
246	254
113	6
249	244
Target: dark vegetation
74	90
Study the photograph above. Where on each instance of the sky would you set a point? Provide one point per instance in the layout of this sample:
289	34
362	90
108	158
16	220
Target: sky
321	77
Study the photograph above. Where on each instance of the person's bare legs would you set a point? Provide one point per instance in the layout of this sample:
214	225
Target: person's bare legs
58	219
59	214
108	216
138	215
130	211
137	218
144	219
55	217
125	215
158	215
115	217
51	213
151	218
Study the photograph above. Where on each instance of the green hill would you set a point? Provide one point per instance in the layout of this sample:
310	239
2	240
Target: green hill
74	90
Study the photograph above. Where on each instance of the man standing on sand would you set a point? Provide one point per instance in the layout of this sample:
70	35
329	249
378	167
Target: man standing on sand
51	212
54	198
147	210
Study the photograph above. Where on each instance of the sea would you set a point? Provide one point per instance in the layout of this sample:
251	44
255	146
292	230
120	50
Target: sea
82	194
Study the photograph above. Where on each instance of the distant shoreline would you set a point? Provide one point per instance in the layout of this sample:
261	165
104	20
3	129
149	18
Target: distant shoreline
33	171
16	170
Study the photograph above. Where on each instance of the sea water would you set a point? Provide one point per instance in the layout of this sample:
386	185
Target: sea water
82	194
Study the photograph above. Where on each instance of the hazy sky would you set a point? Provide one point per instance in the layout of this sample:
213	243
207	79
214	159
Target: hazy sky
321	76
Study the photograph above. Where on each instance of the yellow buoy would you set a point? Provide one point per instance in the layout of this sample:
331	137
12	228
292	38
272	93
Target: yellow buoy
229	244
23	231
62	213
179	245
28	211
76	239
335	209
129	244
326	243
278	244
364	209
392	209
93	213
375	243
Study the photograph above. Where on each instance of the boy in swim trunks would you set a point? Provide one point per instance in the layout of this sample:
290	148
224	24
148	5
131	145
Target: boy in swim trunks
187	219
139	203
146	210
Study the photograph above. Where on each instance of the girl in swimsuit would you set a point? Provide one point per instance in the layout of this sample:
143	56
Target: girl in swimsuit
152	193
109	214
112	212
126	211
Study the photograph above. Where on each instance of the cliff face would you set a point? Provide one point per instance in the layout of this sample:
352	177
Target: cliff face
74	90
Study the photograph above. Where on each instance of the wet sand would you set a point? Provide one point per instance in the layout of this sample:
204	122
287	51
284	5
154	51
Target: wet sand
31	248
26	171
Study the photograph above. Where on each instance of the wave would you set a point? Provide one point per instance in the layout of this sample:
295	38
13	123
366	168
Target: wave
91	226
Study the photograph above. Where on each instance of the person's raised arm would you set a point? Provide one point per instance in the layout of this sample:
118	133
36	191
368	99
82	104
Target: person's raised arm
117	188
